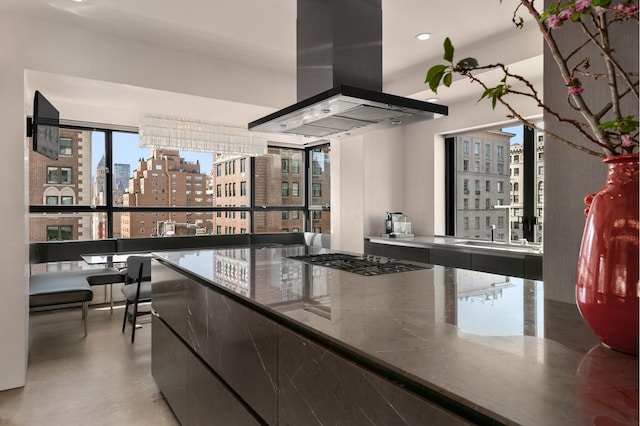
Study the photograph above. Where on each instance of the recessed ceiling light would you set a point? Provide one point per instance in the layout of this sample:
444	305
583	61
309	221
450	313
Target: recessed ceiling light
431	100
79	1
423	36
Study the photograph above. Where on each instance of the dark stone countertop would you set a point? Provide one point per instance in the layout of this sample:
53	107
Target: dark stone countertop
489	342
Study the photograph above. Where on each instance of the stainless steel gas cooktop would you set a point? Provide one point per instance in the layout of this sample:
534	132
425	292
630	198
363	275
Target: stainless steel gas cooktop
368	266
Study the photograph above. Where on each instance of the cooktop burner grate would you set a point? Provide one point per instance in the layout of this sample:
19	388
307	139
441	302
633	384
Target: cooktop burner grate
368	266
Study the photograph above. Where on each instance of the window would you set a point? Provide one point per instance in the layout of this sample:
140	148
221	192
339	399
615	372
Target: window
466	223
500	187
60	175
285	215
500	151
487	186
500	168
317	215
540	170
465	165
465	203
516	199
78	180
477	203
476	148
466	186
477	222
487	222
59	233
540	155
465	147
487	167
285	165
487	203
487	150
66	147
516	171
516	187
516	158
476	166
477	186
500	221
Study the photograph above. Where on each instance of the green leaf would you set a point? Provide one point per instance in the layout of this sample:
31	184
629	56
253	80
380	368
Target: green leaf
447	79
467	63
601	3
448	50
433	71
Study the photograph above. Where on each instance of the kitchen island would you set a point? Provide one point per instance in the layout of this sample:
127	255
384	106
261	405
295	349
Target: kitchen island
252	335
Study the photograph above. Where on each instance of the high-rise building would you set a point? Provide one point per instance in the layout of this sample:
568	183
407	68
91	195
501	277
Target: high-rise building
482	167
165	179
516	184
64	181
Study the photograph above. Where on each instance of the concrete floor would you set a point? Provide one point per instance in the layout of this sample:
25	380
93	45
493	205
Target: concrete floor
102	379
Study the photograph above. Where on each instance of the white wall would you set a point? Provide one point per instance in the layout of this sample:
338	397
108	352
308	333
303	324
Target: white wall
42	46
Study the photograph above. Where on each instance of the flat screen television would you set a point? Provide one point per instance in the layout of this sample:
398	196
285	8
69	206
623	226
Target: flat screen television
46	127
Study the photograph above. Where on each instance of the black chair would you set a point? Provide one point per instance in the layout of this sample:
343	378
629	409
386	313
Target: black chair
137	290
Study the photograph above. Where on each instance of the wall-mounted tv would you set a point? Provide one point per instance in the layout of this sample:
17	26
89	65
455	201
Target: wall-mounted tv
45	125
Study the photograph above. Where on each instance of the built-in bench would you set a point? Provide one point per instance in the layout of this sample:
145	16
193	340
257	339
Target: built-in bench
49	288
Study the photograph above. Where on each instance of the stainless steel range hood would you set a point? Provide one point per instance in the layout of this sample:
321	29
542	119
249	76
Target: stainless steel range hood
339	75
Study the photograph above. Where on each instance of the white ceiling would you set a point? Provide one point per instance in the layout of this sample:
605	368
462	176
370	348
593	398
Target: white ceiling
261	33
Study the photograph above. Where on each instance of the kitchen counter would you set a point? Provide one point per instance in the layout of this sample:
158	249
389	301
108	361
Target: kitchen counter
482	348
514	259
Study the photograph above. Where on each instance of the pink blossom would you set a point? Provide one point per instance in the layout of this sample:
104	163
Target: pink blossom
627	140
566	14
582	5
575	90
631	8
553	21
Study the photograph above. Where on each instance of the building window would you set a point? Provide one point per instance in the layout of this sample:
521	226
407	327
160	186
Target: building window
477	187
500	152
295	166
516	171
477	203
243	188
295	189
66	200
465	147
66	147
540	170
295	215
516	187
500	221
487	186
316	190
476	166
59	233
516	158
500	187
285	165
476	148
52	200
487	150
466	186
285	215
60	175
243	165
285	189
487	203
516	199
477	222
465	204
487	222
317	215
500	168
487	167
465	165
465	222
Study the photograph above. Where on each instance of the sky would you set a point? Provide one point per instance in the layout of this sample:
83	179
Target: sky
517	130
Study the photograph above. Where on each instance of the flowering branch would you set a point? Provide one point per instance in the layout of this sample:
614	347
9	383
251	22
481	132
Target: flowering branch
617	136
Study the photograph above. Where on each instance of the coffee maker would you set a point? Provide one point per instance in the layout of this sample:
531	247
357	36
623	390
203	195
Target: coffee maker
397	226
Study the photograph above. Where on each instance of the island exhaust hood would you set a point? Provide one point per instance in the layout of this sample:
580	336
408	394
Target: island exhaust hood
339	75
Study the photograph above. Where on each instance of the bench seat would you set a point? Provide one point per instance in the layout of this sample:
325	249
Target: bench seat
62	287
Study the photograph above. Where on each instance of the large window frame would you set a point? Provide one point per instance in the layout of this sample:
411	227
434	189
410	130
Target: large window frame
109	210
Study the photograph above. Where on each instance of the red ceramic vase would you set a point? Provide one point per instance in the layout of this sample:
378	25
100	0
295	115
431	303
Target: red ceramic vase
607	281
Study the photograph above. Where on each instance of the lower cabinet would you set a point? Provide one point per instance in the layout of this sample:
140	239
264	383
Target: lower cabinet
194	393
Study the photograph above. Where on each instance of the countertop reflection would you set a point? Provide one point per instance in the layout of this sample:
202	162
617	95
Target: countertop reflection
489	341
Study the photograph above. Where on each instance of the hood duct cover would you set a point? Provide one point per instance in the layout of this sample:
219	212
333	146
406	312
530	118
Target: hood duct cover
339	75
